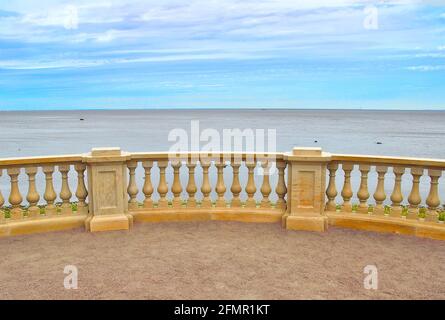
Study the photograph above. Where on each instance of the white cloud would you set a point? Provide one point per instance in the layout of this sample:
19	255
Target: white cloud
427	68
83	63
230	28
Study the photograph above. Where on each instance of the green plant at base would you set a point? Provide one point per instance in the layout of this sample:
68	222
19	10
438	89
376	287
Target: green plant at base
422	212
41	209
7	211
74	206
405	211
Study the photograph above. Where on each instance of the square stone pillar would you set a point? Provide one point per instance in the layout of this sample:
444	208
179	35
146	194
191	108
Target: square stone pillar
306	189
107	188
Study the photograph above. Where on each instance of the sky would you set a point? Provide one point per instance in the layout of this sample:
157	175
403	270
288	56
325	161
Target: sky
116	54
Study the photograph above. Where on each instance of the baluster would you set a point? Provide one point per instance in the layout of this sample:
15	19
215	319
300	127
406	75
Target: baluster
379	194
363	193
176	187
331	191
433	200
132	188
220	187
15	198
50	195
65	193
265	187
250	187
191	184
162	187
414	196
346	192
236	186
33	196
397	196
148	187
205	188
81	191
2	202
281	189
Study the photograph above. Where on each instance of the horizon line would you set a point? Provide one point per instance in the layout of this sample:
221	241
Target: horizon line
212	109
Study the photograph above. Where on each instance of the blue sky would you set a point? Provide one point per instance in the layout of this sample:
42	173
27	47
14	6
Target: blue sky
222	53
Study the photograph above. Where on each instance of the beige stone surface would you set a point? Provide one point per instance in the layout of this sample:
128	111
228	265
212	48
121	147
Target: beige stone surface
110	222
417	228
298	151
205	214
110	186
107	181
221	260
41	224
319	224
306	190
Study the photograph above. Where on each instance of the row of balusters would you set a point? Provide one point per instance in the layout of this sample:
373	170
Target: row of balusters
396	208
206	189
33	210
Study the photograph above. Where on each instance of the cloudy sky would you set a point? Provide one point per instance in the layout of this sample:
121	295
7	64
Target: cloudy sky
222	53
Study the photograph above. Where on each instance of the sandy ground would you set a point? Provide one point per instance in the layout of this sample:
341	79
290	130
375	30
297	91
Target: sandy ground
221	260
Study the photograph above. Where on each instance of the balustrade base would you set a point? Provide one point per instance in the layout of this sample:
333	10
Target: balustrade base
254	216
110	222
425	229
307	223
41	224
367	222
205	214
172	215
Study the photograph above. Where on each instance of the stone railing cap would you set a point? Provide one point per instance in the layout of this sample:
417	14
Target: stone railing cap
306	152
307	155
104	155
106	152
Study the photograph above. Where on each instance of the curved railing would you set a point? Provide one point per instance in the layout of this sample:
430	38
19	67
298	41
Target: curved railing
409	203
45	209
227	201
304	190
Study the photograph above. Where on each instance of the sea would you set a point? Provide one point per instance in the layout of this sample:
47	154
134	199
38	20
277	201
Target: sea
368	132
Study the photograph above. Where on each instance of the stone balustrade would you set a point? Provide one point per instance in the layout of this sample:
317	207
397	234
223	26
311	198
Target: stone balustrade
306	189
393	202
29	210
226	204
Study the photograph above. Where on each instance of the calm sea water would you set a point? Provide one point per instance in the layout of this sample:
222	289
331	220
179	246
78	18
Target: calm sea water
401	133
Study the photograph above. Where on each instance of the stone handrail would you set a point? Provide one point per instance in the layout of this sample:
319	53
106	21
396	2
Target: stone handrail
383	160
105	191
18	218
220	208
32	161
387	210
